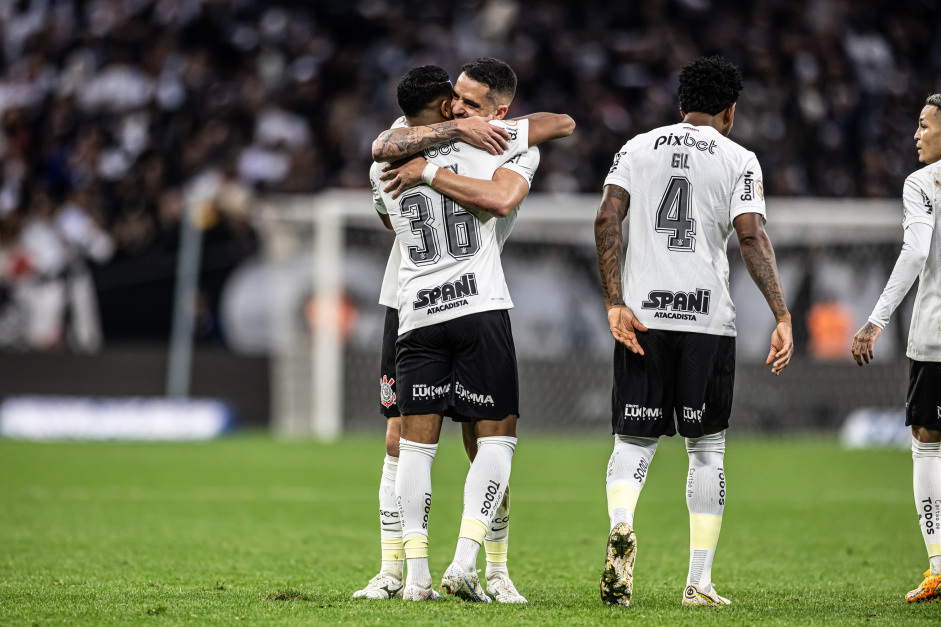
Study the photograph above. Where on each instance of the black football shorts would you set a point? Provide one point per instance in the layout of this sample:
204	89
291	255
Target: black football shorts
923	402
467	364
689	375
390	331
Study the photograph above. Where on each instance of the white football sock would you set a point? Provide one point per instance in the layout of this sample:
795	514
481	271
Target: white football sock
926	462
498	537
483	491
413	495
627	473
390	525
705	499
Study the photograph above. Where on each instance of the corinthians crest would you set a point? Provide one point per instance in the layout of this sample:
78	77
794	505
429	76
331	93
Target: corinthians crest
386	395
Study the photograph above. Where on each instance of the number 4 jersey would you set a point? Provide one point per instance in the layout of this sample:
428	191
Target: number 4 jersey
687	184
450	260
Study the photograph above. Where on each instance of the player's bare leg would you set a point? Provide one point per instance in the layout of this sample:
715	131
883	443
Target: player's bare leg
483	491
926	462
705	498
626	475
389	582
417	448
496	543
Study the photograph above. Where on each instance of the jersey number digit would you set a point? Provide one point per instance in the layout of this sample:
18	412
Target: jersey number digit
463	238
461	228
417	209
673	216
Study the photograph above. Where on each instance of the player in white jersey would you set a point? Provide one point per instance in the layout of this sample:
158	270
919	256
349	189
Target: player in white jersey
684	189
921	258
512	193
425	85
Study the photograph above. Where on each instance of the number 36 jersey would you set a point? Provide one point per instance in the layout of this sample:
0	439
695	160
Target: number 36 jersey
687	184
450	260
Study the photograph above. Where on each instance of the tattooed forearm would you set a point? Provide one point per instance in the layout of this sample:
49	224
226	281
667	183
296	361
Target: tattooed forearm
609	242
759	259
399	143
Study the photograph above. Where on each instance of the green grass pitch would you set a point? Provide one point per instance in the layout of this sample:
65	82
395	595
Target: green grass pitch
257	531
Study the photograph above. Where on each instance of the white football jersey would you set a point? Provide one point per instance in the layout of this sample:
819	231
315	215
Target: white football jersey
450	261
525	165
920	196
687	184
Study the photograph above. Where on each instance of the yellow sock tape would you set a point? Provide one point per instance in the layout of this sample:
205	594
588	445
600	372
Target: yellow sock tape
473	529
416	547
704	531
622	497
934	550
392	549
496	551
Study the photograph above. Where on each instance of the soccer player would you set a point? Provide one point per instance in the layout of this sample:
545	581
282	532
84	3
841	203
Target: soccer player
684	188
499	197
920	257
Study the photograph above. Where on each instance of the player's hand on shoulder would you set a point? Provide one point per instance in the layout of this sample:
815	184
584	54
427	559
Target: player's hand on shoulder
864	341
480	133
403	175
782	346
624	326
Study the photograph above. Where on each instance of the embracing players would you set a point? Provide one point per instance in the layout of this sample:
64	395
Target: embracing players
485	88
684	189
920	257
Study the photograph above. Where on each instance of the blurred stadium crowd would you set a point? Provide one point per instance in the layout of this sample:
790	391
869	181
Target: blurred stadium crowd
110	108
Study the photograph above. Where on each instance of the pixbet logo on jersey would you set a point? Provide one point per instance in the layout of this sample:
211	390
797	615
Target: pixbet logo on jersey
685	140
450	295
686	302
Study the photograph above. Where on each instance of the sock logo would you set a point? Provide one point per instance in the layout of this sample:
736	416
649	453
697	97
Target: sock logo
721	487
641	473
489	498
689	483
424	524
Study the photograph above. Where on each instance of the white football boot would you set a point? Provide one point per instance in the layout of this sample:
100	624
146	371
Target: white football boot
411	592
694	595
617	580
503	590
463	584
382	586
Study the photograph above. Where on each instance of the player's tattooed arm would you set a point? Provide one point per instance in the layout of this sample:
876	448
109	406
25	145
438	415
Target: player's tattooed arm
399	143
864	341
763	268
609	242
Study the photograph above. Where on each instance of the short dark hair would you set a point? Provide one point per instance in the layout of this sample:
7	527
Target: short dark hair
421	86
709	85
934	100
495	74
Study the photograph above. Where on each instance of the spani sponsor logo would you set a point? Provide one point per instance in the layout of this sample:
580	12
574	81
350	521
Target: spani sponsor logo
450	295
678	305
685	140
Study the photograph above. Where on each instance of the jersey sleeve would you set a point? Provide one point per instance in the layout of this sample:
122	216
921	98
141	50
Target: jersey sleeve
374	182
748	195
916	204
399	123
525	164
519	136
620	172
